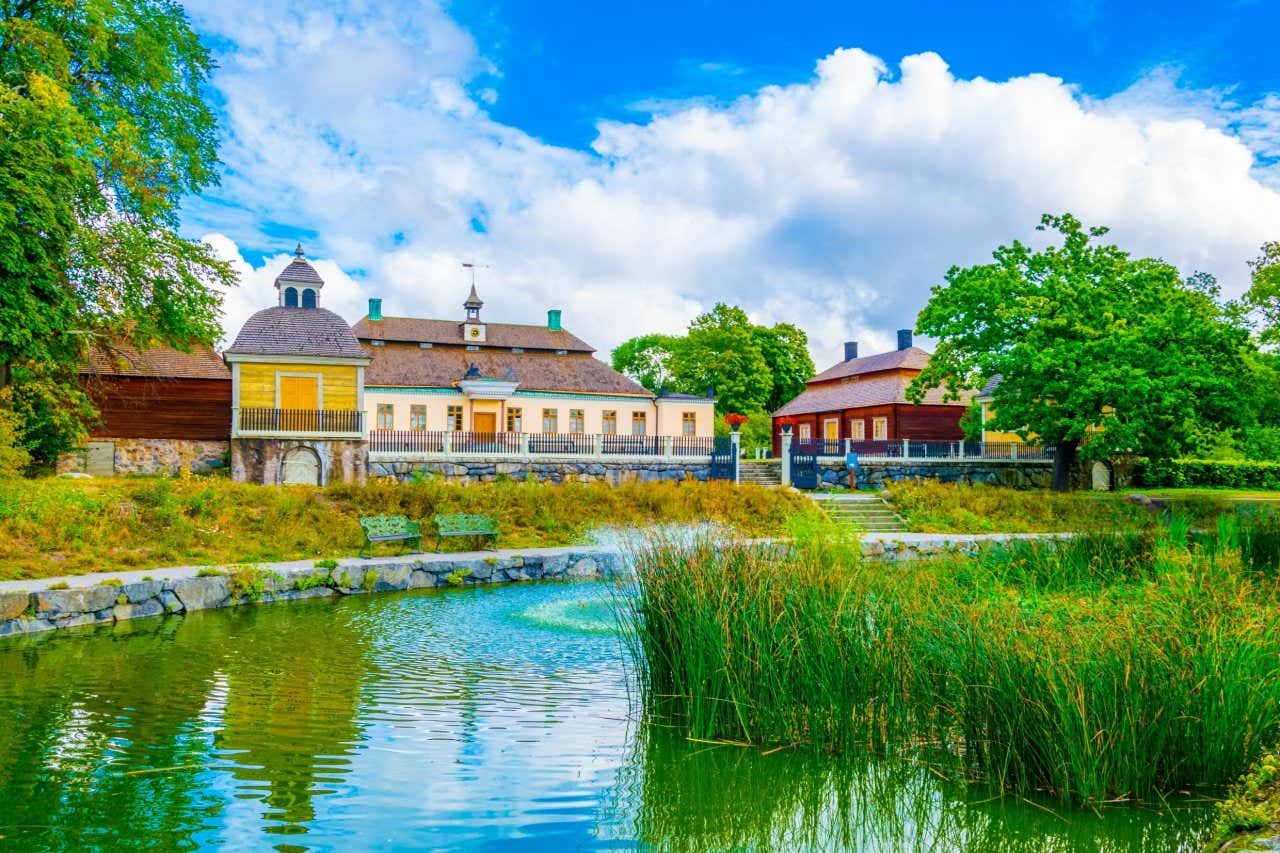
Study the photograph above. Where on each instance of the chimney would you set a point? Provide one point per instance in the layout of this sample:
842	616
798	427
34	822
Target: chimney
375	309
904	339
553	319
850	350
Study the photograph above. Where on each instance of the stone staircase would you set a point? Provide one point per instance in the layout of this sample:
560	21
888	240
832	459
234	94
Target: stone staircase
760	473
868	512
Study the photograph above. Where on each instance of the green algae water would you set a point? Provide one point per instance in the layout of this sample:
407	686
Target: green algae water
479	718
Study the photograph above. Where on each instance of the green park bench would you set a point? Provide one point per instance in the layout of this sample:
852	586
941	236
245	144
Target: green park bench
388	528
465	524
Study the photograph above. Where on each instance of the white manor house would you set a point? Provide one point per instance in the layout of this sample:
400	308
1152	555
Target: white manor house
507	380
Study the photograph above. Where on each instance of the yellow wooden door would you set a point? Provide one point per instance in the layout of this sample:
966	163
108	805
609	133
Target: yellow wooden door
299	393
484	422
300	399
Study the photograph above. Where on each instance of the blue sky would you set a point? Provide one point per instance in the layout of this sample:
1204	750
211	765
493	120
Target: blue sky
565	65
821	164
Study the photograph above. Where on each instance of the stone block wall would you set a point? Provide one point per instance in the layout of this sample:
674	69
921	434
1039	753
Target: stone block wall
1020	474
262	460
154	456
486	469
47	610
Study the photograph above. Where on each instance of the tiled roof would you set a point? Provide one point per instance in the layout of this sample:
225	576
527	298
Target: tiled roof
911	358
408	365
300	270
296	331
675	395
114	359
856	394
990	388
497	335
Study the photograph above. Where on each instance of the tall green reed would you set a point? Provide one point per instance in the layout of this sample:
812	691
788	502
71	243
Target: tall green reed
1090	669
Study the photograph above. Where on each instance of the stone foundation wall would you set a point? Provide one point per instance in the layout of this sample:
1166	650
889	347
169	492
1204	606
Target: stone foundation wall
47	610
262	460
1020	474
486	469
153	456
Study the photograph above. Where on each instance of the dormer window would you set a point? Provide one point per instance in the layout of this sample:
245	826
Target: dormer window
291	297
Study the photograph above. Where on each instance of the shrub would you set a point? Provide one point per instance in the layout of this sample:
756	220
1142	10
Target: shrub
327	563
1209	473
59	585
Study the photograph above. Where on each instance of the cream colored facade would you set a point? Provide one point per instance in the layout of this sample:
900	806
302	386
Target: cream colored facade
661	417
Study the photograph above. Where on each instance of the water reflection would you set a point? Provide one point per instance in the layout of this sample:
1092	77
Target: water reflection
713	797
441	719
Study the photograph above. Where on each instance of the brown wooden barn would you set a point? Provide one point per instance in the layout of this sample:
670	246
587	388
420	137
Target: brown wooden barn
159	410
864	399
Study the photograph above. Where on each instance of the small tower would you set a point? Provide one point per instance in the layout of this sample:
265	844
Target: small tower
299	284
473	306
473	330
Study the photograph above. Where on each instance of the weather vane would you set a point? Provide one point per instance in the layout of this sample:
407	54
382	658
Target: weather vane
473	267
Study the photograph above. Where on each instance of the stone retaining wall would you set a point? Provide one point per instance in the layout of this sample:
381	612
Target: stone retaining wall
483	469
153	456
1019	474
47	610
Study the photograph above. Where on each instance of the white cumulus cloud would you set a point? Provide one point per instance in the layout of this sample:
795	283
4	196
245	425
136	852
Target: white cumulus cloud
834	204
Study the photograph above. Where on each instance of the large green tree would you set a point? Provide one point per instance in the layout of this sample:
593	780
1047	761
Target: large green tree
1263	295
1093	347
721	352
104	127
647	359
786	350
752	368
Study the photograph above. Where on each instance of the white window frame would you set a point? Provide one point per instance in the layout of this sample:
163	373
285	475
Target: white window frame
880	429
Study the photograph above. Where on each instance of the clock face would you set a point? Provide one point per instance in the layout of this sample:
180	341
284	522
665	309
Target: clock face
475	333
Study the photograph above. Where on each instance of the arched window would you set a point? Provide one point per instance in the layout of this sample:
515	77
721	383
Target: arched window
291	297
308	298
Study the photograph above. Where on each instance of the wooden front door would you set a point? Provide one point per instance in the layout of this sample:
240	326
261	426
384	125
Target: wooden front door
299	393
300	400
484	422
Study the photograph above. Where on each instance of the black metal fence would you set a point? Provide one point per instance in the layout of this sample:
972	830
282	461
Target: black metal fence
514	443
300	420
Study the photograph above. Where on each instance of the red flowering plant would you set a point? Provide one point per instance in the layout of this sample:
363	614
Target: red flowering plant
735	421
786	423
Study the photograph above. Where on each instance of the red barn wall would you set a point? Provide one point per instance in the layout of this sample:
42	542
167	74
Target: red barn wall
134	407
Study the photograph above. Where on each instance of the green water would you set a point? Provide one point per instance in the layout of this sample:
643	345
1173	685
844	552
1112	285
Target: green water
460	719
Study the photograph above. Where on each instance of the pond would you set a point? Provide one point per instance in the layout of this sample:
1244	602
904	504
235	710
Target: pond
476	718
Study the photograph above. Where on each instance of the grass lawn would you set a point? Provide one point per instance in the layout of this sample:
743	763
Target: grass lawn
55	526
931	507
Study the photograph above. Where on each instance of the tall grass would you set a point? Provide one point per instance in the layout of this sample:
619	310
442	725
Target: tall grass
1120	667
56	526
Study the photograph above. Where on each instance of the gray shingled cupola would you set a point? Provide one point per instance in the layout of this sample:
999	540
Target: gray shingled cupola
299	284
473	306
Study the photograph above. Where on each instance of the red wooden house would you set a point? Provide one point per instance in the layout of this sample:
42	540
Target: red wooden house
159	410
864	399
